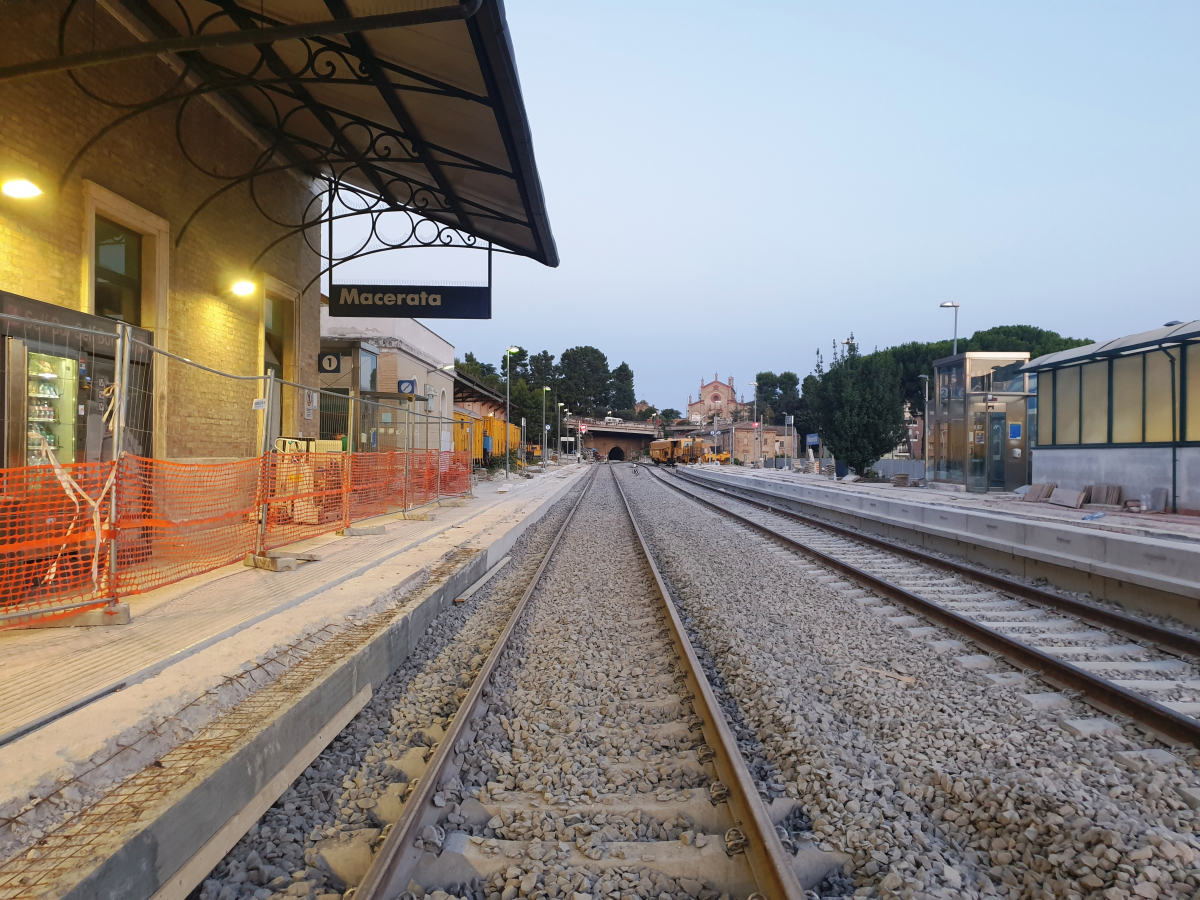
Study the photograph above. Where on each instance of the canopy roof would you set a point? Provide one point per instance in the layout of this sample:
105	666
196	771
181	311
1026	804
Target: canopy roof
427	116
1168	334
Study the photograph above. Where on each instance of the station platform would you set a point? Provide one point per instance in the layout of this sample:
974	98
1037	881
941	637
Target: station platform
129	753
1145	562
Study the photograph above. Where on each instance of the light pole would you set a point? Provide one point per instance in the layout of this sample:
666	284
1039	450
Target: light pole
545	391
754	384
925	426
507	403
953	304
559	406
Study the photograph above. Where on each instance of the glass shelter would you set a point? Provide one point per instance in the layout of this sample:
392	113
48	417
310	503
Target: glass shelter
982	421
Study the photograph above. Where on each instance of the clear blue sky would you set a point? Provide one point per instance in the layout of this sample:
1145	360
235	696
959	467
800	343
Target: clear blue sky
733	185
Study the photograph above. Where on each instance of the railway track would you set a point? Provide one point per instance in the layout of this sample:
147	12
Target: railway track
1120	664
589	756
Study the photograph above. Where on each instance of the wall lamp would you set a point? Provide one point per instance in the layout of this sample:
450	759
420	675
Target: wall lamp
244	288
20	189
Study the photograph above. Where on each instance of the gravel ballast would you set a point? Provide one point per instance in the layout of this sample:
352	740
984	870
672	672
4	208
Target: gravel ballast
936	780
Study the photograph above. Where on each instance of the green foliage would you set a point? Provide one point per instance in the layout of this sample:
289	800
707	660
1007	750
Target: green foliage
778	396
670	415
584	381
857	406
621	382
542	370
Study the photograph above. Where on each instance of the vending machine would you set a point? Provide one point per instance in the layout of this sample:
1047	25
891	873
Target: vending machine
52	408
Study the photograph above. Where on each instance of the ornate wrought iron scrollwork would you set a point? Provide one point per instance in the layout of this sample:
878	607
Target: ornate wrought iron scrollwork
369	169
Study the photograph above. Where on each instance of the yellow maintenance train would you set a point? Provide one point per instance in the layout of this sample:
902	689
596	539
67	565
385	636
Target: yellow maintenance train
681	451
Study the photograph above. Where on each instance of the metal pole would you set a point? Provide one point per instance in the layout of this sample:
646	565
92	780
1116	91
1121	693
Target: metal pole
955	353
332	194
1174	439
925	434
264	468
121	382
507	383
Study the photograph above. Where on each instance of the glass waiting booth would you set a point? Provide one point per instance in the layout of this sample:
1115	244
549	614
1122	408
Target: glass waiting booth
982	421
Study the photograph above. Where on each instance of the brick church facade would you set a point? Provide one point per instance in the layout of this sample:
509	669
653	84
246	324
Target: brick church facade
717	398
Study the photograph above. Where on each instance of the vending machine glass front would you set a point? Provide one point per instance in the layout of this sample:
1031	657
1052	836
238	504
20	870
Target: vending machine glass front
53	388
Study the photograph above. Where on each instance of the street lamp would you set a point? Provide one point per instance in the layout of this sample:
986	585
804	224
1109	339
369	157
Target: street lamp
754	384
953	304
545	391
507	403
558	425
925	426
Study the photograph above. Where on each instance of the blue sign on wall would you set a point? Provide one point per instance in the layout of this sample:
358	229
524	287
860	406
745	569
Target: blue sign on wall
406	386
1014	431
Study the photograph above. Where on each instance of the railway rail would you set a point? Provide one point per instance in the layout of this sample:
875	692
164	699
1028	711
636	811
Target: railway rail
1152	679
589	742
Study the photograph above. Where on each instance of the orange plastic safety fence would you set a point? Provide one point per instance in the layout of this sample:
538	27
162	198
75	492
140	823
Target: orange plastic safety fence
422	477
455	473
369	484
397	494
175	520
51	554
307	494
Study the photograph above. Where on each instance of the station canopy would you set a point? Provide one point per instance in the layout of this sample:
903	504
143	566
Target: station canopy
414	102
1168	335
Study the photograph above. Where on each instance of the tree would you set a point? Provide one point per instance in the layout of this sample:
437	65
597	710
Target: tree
622	388
584	381
858	406
542	371
520	363
670	416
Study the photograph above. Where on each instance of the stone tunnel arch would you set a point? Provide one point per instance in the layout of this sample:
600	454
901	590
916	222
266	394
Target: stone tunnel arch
616	454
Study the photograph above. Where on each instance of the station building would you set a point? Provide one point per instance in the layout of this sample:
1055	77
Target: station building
189	196
1124	412
110	238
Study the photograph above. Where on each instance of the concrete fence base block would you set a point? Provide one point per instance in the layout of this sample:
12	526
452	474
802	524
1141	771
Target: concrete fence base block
271	563
360	530
117	614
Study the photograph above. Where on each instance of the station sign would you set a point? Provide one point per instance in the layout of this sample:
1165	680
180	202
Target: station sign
812	440
409	301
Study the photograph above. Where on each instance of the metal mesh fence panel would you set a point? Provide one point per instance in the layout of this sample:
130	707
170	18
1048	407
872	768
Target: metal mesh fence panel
175	520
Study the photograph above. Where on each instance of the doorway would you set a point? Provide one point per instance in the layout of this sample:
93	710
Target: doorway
996	444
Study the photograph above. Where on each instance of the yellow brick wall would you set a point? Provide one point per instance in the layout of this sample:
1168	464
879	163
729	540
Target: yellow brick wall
45	121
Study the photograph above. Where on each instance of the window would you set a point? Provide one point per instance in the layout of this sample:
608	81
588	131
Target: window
1095	403
368	371
277	325
1066	406
1158	394
1193	391
1127	399
118	272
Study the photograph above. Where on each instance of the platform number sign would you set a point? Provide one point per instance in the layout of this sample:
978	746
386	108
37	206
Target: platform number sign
329	363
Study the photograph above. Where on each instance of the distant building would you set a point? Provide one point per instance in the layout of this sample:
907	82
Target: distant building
716	398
